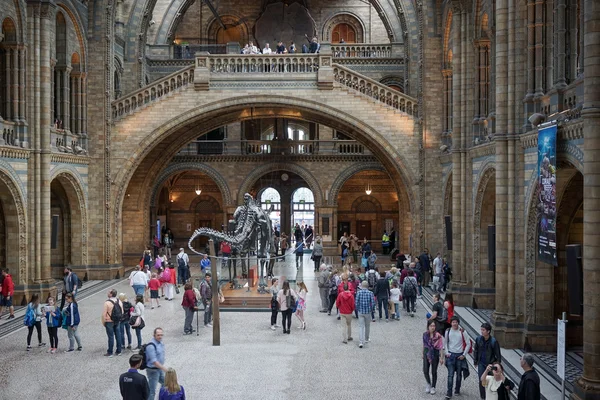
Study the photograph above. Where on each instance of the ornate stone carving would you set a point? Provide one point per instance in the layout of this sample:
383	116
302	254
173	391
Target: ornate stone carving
530	250
481	188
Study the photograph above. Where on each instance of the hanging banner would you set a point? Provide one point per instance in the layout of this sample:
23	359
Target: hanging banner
546	207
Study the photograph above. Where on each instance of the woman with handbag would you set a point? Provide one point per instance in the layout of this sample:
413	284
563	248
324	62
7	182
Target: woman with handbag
287	304
137	317
189	305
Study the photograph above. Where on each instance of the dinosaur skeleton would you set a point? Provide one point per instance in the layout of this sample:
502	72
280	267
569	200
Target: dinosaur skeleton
252	224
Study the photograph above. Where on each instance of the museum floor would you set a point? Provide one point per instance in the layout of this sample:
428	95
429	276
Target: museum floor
253	362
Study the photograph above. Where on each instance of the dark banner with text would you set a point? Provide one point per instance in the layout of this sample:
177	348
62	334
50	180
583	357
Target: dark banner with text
546	207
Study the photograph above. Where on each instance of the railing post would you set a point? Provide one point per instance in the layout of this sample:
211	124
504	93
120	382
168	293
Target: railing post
325	74
202	71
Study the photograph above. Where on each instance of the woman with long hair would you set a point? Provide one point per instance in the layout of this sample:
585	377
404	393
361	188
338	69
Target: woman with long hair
286	299
274	290
71	322
171	390
302	292
138	311
189	304
124	327
449	305
53	322
36	321
497	386
433	344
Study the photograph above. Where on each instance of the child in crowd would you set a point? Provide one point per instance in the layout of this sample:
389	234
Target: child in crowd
395	298
154	285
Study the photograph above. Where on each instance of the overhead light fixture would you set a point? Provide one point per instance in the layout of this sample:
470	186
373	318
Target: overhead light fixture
368	190
198	190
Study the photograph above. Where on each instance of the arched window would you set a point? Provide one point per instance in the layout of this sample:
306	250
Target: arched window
270	197
343	32
303	207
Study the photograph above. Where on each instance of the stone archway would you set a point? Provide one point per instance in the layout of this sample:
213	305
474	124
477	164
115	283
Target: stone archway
344	18
15	227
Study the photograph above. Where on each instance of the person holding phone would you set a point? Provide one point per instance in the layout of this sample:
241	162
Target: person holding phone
497	386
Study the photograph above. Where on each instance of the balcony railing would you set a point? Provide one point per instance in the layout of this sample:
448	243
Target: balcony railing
361	50
275	64
274	147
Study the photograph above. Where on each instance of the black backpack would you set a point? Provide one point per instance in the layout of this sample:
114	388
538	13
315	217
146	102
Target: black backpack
180	262
116	315
143	354
372	279
126	311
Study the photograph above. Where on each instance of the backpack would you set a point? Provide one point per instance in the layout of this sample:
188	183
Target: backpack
289	301
180	262
143	354
126	311
166	275
117	314
444	316
78	282
409	288
29	319
462	332
333	289
372	279
371	260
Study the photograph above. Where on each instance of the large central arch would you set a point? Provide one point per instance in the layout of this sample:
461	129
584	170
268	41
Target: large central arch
141	166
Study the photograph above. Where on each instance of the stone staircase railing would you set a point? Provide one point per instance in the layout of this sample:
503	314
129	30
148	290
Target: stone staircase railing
163	87
364	50
375	90
262	63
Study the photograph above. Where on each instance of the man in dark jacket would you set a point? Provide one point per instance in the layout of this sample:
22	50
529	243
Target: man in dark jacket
133	385
382	293
486	352
425	266
529	388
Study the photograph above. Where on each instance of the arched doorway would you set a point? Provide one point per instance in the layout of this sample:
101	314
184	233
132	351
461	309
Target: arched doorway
303	208
271	199
60	217
343	33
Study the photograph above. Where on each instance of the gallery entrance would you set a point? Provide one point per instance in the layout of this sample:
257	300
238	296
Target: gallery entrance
363	229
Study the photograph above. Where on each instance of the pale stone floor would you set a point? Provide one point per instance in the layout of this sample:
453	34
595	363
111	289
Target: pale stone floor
252	362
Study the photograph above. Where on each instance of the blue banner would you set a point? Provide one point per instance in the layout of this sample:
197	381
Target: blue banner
546	207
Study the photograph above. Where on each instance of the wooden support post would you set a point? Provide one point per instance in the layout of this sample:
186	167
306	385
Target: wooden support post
215	303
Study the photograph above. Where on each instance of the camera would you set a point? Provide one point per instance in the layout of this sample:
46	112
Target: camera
494	368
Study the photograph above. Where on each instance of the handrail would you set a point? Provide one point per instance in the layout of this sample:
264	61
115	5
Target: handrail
276	147
375	90
262	63
361	50
129	103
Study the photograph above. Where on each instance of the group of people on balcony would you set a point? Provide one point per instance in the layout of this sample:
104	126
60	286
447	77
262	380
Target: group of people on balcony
312	47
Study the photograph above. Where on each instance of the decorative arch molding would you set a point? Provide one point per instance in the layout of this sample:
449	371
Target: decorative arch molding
339	181
447	30
17	202
20	6
255	175
205	198
191	166
229	20
571	153
67	7
393	81
72	183
368	199
7	169
484	178
344	17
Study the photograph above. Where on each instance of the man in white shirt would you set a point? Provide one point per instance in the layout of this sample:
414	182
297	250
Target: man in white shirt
439	273
253	48
456	347
267	49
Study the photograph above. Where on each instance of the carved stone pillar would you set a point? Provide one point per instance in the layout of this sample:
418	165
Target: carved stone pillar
559	50
84	106
530	49
22	83
14	52
66	98
588	386
7	83
539	48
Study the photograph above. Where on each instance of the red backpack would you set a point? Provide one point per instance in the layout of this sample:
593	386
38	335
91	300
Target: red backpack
166	275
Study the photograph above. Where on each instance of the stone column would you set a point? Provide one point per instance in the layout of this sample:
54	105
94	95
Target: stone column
22	83
15	83
66	98
84	105
539	47
559	50
588	386
8	83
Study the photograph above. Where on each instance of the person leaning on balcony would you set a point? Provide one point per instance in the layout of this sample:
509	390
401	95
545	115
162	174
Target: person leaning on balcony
267	49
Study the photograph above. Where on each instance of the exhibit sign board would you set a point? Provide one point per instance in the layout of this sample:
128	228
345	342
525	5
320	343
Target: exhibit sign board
546	201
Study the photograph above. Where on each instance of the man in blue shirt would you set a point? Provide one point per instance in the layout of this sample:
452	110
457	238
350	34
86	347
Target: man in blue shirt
205	264
132	384
365	303
155	360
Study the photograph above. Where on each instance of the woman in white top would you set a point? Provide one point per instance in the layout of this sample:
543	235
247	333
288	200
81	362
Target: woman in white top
287	301
138	312
395	298
497	386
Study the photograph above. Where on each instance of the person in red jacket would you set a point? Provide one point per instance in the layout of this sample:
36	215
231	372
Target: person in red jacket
189	305
8	290
345	303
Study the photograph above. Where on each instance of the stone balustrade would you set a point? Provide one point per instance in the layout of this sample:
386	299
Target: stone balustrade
152	92
274	147
375	90
361	50
262	64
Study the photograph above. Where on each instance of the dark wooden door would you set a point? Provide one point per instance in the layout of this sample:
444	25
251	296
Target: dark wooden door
363	230
343	227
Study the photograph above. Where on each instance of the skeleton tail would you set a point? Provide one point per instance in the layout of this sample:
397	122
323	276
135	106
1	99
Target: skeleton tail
236	242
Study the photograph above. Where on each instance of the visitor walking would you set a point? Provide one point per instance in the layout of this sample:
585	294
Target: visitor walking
317	253
33	318
204	264
365	304
395	299
287	299
8	289
382	294
486	352
409	291
345	303
138	279
433	343
302	292
529	387
171	390
132	384
70	284
138	311
438	269
439	314
53	322
71	322
189	305
124	327
111	317
497	386
334	281
456	348
206	294
154	285
155	362
274	290
322	282
425	267
299	254
183	262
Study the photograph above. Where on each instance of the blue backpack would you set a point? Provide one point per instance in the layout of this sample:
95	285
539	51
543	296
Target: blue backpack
29	319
